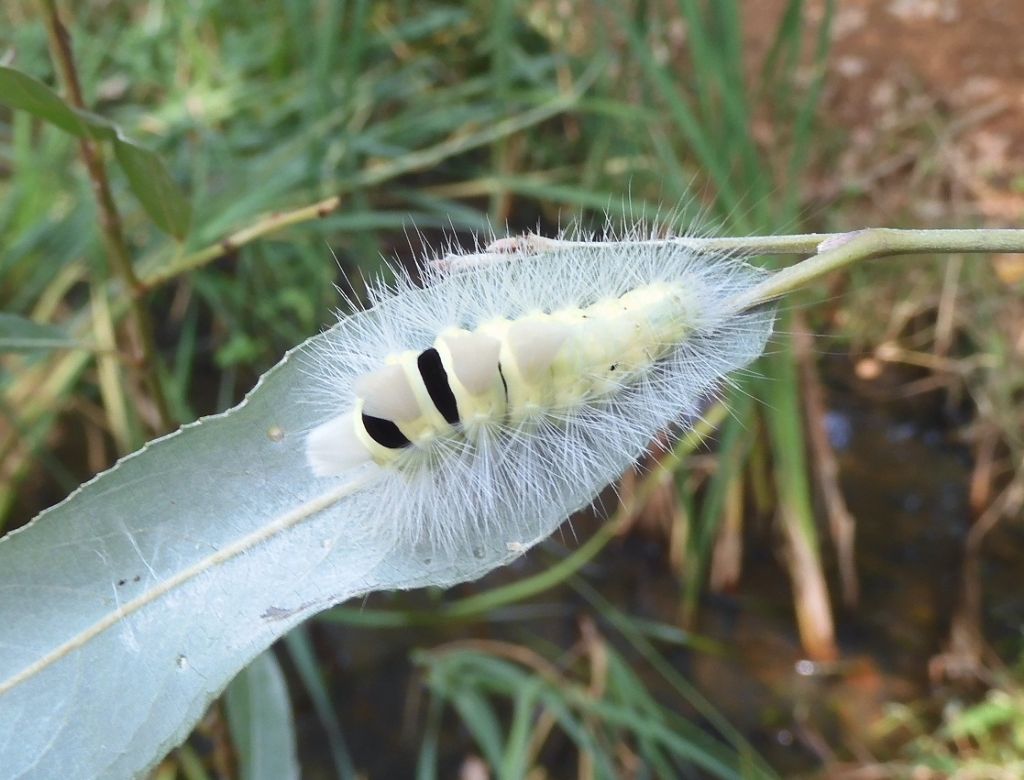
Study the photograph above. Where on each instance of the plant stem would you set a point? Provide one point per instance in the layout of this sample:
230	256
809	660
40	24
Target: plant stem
834	251
141	327
844	249
798	244
269	224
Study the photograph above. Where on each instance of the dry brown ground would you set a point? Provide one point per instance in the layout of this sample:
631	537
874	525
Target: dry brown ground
929	95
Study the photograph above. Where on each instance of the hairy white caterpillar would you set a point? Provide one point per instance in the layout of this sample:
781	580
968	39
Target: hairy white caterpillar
493	402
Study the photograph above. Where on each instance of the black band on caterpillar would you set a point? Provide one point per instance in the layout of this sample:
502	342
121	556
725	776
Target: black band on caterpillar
435	379
384	432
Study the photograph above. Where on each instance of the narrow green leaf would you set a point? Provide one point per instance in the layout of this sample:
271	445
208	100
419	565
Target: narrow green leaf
19	334
806	117
675	680
260	717
679	110
781	389
734	449
514	763
480	719
426	762
98	127
300	649
153	186
21	91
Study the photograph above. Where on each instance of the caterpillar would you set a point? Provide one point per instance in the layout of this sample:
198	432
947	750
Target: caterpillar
495	400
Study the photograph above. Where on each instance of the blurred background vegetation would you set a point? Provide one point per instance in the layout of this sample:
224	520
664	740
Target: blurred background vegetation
824	579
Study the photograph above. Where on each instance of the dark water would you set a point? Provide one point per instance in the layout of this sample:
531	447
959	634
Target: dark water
905	478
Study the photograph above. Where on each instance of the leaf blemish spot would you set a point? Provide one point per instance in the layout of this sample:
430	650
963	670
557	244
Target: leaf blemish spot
181	662
275	433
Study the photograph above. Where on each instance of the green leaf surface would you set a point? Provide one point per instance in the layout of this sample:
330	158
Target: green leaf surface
20	334
152	184
260	717
21	91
